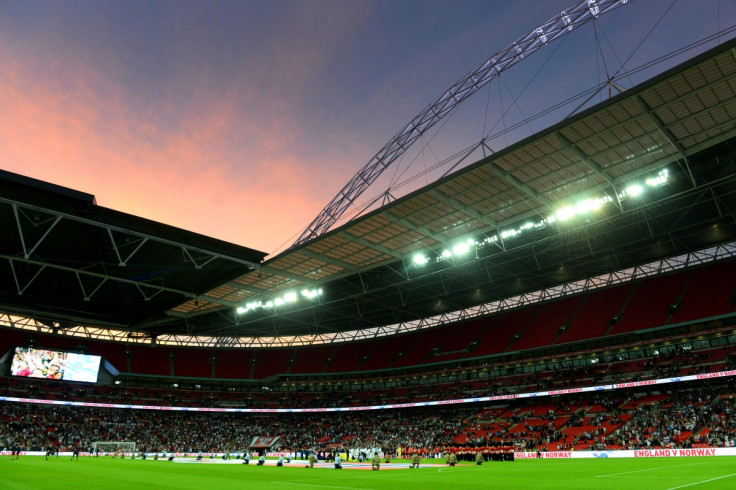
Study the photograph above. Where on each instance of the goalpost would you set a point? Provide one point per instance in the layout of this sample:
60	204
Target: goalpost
114	448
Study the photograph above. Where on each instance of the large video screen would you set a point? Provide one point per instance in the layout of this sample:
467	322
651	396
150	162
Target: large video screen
52	364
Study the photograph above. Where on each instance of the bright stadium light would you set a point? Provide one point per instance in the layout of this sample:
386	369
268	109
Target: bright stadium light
659	179
311	293
286	298
634	190
587	205
564	214
460	249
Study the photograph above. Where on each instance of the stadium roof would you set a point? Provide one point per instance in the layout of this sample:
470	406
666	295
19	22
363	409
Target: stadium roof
66	259
645	175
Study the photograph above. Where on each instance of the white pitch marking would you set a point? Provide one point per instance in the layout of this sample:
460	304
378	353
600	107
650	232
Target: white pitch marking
704	481
319	486
646	469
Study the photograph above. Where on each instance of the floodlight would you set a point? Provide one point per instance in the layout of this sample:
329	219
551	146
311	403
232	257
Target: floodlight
588	205
446	254
290	297
420	259
660	179
565	213
634	190
460	249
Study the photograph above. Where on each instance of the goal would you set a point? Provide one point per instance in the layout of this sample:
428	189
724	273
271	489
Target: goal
113	448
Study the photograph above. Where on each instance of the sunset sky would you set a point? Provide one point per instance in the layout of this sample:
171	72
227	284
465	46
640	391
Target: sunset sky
241	120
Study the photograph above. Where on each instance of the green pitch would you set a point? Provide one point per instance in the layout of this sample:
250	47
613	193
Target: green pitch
107	473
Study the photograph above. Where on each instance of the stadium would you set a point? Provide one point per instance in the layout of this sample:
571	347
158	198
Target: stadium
558	313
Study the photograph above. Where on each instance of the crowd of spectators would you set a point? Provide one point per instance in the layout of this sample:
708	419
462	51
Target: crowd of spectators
686	418
610	369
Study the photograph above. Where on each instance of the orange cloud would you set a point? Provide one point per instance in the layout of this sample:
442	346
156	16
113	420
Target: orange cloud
197	174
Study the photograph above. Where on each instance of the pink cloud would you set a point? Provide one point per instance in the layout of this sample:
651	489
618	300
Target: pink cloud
197	176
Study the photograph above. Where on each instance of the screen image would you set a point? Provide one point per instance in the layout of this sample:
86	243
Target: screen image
81	367
51	364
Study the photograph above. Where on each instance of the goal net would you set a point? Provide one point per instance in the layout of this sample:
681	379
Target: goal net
114	448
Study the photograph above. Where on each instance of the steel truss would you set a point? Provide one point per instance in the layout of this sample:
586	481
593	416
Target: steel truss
127	244
651	269
555	28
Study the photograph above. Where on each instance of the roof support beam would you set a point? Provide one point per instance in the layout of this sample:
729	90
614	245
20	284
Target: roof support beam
584	158
665	132
370	244
288	275
412	226
330	260
91	222
466	209
21	290
197	264
26	252
519	185
88	296
137	284
121	262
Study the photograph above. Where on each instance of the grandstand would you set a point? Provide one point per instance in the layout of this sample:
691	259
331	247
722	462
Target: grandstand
502	347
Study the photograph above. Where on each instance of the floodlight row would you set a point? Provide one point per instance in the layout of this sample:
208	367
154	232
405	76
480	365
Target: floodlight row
286	298
564	213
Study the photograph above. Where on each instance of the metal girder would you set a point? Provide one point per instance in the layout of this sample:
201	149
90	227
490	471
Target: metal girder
370	244
520	185
412	226
110	228
662	129
700	257
105	277
466	209
288	275
330	260
122	262
584	158
555	28
26	252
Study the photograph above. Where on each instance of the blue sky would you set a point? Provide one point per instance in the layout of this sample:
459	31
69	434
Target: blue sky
241	120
